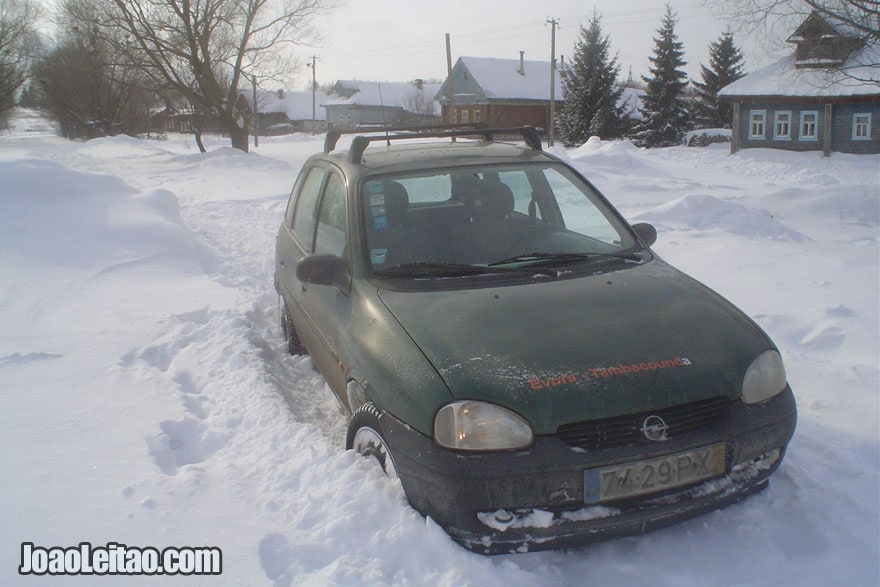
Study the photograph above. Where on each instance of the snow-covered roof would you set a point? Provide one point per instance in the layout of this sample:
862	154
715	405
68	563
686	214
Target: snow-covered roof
297	105
501	78
389	94
859	76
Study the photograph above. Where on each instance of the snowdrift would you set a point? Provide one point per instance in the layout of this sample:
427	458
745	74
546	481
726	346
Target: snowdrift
148	398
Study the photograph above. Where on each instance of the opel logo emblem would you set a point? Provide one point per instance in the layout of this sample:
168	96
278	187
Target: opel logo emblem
654	428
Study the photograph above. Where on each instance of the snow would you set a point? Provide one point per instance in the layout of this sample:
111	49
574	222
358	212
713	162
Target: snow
297	105
399	94
501	78
859	76
148	398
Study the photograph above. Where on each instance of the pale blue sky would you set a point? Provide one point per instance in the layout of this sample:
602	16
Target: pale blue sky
399	40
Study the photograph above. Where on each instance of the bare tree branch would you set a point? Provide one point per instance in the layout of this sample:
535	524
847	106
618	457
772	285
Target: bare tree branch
772	22
207	49
19	43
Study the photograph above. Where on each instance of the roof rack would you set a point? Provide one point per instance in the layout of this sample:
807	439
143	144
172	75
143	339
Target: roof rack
531	135
333	136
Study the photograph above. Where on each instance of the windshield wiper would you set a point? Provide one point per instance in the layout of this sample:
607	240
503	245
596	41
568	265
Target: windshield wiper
554	259
434	269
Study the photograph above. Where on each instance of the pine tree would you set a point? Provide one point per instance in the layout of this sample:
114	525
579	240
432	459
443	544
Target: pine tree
725	60
665	113
588	86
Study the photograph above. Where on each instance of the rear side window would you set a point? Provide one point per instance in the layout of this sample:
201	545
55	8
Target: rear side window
304	213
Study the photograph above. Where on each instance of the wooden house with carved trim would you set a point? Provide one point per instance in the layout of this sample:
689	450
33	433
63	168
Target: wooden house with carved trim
824	97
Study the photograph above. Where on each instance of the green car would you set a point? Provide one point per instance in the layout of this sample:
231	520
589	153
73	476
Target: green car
511	349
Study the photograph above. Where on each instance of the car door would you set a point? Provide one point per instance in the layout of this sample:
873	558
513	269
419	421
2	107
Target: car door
327	306
315	223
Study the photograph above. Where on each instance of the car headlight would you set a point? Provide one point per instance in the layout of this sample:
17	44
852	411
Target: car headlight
764	379
474	425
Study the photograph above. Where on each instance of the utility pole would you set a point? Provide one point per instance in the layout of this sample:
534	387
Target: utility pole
553	22
450	88
314	92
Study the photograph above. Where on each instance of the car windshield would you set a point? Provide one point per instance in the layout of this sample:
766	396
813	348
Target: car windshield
493	216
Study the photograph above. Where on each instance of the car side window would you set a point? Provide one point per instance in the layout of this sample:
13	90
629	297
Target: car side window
303	224
330	236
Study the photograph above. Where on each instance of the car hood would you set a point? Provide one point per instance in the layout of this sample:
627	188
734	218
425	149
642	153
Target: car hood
583	348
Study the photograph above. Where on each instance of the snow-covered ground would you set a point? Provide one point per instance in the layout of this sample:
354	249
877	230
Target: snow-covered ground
148	400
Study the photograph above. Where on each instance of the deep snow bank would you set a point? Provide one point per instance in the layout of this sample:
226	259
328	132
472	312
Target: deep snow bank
148	397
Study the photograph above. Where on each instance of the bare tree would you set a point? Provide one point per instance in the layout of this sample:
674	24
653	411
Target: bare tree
208	50
419	104
772	21
90	89
18	44
862	15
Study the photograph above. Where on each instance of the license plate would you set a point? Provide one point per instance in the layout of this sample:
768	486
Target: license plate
653	475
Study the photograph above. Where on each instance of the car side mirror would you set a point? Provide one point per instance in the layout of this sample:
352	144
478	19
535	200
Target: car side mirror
323	270
646	232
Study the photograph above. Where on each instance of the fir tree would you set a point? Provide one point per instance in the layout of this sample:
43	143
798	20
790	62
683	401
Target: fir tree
588	86
725	60
665	113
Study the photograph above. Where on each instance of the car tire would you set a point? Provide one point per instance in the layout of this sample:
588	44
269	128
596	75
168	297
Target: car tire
365	438
294	344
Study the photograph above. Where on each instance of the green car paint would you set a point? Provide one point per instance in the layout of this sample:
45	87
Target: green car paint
582	348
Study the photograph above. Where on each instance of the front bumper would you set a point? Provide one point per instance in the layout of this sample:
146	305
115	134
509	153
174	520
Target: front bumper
533	499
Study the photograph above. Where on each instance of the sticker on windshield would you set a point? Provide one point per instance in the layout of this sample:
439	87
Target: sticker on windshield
379	211
377	256
380	222
375	190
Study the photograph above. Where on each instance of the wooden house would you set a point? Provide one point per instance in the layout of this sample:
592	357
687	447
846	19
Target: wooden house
355	104
282	112
824	97
499	92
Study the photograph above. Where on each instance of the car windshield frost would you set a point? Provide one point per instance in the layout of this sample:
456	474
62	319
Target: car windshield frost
488	216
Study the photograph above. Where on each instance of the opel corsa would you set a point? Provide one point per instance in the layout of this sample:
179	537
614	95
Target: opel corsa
511	349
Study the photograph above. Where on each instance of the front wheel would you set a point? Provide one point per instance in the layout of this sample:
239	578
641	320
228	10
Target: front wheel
365	438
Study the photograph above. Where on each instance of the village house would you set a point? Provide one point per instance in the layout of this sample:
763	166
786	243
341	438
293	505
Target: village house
510	93
282	112
278	111
499	92
824	97
355	104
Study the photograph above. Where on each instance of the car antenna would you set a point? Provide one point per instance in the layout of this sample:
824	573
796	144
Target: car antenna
384	115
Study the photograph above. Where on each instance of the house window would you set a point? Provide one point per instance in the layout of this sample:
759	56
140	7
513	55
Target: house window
782	126
809	126
757	118
464	116
861	127
478	116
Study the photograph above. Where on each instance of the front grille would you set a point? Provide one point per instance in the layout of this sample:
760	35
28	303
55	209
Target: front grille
626	430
